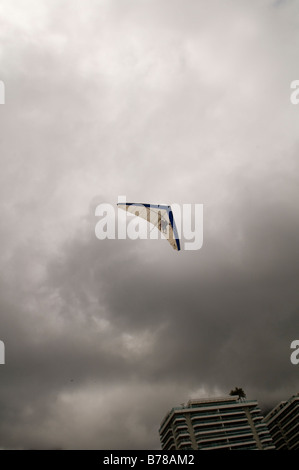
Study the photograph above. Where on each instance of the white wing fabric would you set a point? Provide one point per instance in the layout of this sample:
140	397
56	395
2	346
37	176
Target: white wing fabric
160	216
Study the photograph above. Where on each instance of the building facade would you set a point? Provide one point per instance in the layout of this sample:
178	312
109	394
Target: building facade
283	424
218	423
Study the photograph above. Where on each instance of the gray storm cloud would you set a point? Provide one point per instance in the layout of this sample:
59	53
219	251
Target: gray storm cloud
158	101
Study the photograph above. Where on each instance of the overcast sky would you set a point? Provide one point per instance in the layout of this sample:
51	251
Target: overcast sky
162	101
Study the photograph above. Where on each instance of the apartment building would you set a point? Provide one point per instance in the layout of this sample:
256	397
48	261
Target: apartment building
215	423
283	424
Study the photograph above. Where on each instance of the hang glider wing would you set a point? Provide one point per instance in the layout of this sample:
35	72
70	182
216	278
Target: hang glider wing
160	216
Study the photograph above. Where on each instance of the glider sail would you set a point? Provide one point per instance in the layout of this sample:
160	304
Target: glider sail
160	216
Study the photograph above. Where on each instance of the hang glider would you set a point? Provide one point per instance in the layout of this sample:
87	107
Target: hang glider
160	216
